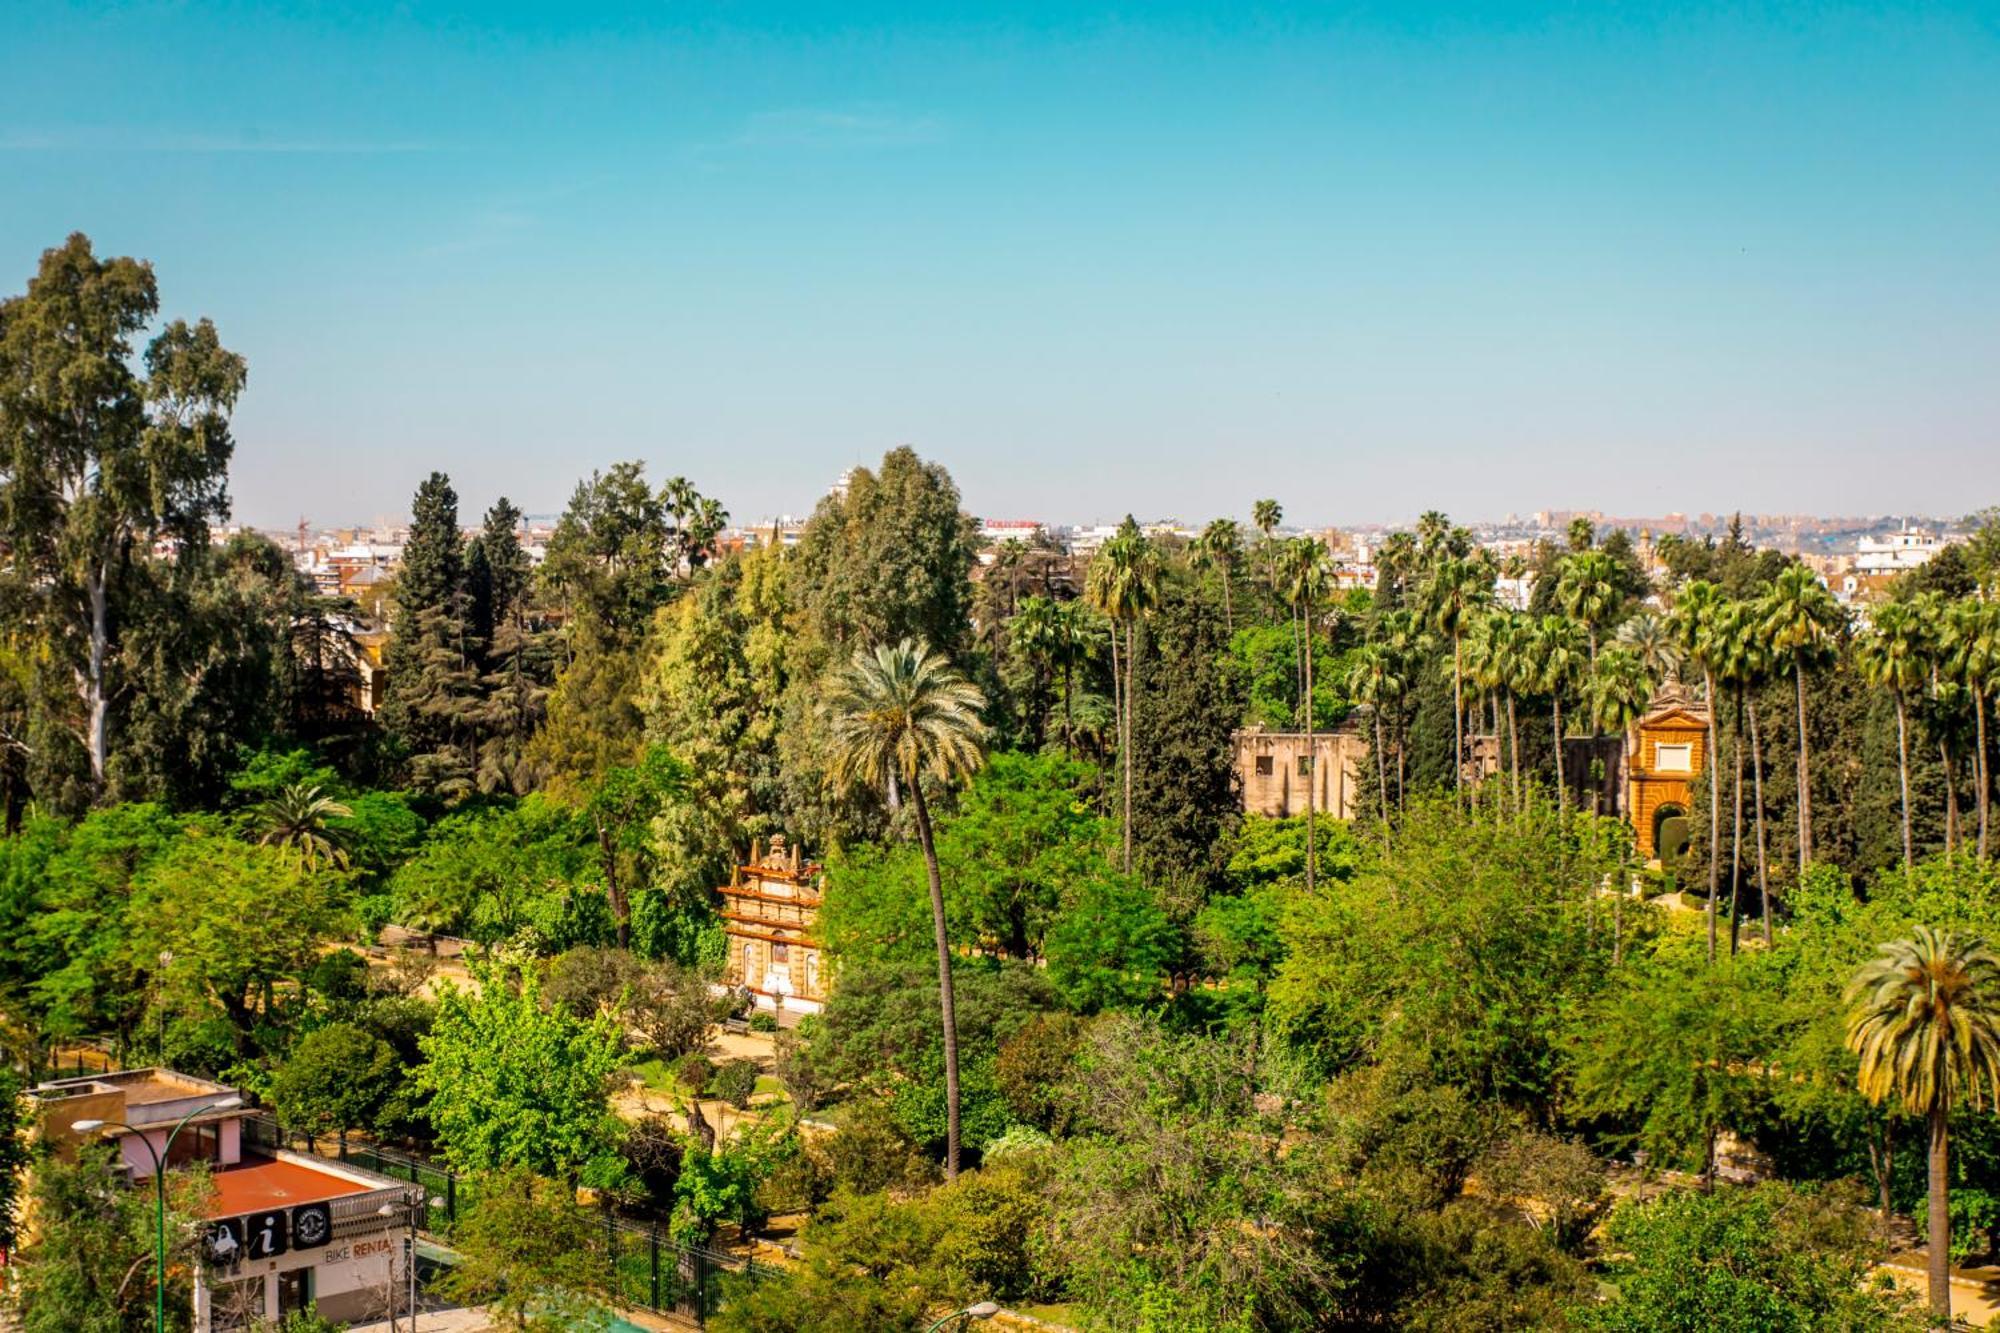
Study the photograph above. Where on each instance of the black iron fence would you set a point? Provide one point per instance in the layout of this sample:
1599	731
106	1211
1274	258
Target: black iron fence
650	1270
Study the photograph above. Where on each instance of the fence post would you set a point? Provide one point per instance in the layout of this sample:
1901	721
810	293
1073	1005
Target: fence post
656	1265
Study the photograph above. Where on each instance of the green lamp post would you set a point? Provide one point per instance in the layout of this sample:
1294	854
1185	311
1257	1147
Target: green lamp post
159	1189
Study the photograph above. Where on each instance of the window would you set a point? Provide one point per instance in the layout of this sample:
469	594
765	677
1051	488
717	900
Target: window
1263	765
1305	765
1674	758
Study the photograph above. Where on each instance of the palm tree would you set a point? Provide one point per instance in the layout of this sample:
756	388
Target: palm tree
1123	583
1744	664
1652	639
1972	638
1618	689
296	817
1926	1024
1267	515
1894	654
1694	621
1588	591
1036	633
1401	634
1220	547
1941	706
1457	590
1375	681
1492	650
1557	646
904	714
1309	573
1802	622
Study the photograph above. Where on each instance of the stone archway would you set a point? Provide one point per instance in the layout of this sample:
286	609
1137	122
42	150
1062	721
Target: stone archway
1671	834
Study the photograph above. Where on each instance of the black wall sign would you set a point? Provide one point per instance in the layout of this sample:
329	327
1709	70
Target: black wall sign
264	1235
312	1225
223	1242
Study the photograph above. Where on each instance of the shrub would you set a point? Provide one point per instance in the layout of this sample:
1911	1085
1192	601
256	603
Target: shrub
734	1082
694	1072
763	1022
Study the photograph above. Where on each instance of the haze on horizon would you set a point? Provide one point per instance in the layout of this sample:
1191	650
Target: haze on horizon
1370	260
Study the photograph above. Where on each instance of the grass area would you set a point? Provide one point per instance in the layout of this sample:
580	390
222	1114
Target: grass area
767	1083
656	1074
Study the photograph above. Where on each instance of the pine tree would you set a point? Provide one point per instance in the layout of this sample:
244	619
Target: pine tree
433	698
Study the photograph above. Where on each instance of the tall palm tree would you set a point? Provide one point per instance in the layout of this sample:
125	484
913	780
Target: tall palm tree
1926	1023
1458	589
903	713
1267	515
1587	589
1744	664
1972	637
1491	652
1694	621
296	817
1220	547
1941	706
1123	583
1618	689
1036	633
1309	574
1894	654
1401	634
1558	647
1375	681
1801	623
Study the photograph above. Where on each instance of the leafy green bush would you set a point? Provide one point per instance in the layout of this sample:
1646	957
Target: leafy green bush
763	1022
734	1082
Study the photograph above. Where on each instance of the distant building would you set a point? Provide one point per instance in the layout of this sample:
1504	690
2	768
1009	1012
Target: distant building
1897	552
285	1232
770	912
1668	750
1274	772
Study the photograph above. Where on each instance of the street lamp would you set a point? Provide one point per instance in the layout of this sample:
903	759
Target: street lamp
159	1188
388	1210
983	1310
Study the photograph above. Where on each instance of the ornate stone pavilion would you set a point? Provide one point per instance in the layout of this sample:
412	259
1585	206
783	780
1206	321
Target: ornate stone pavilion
1668	751
770	911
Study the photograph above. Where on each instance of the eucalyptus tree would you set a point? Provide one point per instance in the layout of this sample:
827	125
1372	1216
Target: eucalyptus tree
1123	583
904	713
1457	590
1894	654
1587	590
1220	547
99	464
1972	639
1802	624
1693	622
1925	1021
1309	576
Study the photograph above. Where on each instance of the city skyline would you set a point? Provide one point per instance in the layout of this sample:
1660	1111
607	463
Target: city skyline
1377	260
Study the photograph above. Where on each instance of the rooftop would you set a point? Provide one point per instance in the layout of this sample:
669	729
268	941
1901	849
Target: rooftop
142	1087
262	1184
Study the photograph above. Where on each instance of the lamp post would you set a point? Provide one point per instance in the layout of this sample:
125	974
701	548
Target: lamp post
983	1310
159	1189
388	1210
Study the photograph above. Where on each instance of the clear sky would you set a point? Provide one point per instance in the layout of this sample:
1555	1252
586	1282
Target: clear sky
1368	259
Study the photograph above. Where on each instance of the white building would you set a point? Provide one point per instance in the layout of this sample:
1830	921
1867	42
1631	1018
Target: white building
1897	552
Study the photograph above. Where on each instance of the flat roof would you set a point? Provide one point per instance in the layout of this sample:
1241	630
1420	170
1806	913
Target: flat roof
261	1184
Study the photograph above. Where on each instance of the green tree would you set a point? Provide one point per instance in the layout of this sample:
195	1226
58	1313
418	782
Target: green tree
903	714
1894	654
1220	548
1802	624
1453	595
89	1266
1925	1021
432	695
1588	592
298	818
527	1253
1972	646
98	463
1555	646
607	559
336	1078
1123	584
1694	623
1766	1260
513	1083
1309	573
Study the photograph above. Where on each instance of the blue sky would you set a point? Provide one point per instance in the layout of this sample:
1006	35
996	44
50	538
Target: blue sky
1368	259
